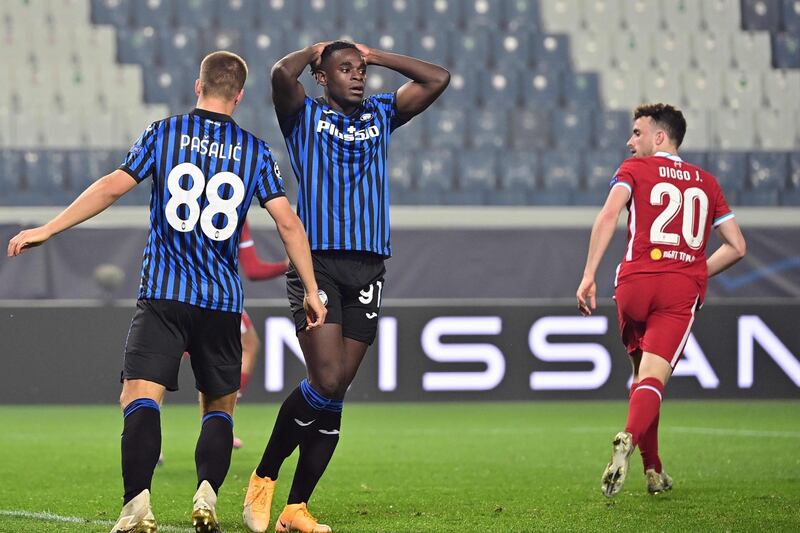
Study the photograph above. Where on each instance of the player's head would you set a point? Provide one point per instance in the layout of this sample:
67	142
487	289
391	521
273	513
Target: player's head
656	128
342	71
222	77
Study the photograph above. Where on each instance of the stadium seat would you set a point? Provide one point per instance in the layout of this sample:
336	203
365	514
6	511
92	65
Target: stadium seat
734	130
464	90
621	90
478	170
598	167
262	49
767	178
500	89
603	16
742	89
591	50
519	172
781	88
239	15
721	16
710	51
561	171
44	172
730	169
162	85
698	158
776	130
401	174
681	15
760	15
431	46
791	196
790	16
434	170
551	52
197	14
531	129
447	128
230	40
786	50
483	14
698	132
663	87
612	130
671	52
438	15
751	51
154	13
471	47
112	12
561	16
10	173
521	15
488	128
541	89
702	89
137	45
581	90
399	15
642	16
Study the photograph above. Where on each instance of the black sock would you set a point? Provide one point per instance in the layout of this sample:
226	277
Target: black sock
141	445
316	450
286	433
212	456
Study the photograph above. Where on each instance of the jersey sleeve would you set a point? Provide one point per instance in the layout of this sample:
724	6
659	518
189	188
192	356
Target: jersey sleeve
388	103
270	182
722	211
624	177
140	161
289	123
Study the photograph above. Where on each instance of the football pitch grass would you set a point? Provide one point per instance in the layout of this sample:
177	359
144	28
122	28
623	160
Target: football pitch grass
463	467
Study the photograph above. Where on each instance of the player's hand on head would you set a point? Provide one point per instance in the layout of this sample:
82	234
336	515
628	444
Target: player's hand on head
364	51
27	239
315	311
316	56
587	296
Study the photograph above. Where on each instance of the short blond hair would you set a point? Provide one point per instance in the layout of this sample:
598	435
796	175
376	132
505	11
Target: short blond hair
222	75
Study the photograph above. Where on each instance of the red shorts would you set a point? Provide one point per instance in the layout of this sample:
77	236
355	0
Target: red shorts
246	323
656	314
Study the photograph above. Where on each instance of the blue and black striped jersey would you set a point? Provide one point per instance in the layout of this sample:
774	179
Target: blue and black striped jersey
206	170
340	164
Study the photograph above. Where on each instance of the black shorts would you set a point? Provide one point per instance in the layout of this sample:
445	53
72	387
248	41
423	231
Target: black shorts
162	330
353	282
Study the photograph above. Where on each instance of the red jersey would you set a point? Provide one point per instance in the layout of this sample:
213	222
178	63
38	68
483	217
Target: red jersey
672	208
254	268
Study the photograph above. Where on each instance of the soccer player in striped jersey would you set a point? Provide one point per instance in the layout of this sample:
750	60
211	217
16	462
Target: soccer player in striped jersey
661	282
205	170
338	146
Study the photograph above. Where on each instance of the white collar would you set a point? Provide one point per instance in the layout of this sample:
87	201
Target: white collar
674	157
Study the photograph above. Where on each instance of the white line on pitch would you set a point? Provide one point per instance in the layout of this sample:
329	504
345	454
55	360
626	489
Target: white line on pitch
51	517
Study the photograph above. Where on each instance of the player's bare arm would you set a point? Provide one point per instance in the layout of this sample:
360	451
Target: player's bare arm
602	232
732	250
428	81
293	235
287	92
95	199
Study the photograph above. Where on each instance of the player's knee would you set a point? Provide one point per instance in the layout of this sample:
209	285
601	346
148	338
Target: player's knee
328	386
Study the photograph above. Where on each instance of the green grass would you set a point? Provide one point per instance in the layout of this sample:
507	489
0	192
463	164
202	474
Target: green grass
431	467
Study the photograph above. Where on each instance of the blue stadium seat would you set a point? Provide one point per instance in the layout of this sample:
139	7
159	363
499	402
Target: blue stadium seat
478	170
519	172
791	196
511	50
599	167
790	16
612	130
500	89
541	89
521	15
361	12
760	15
433	46
464	91
483	14
319	14
551	52
239	15
786	50
581	90
273	15
572	128
137	45
473	47
561	171
262	49
402	186
229	40
730	170
400	15
438	15
179	48
10	174
488	128
697	158
531	129
154	13
435	172
447	128
767	171
167	86
194	13
111	12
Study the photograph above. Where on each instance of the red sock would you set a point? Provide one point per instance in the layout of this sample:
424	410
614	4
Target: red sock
644	407
243	385
633	389
648	447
